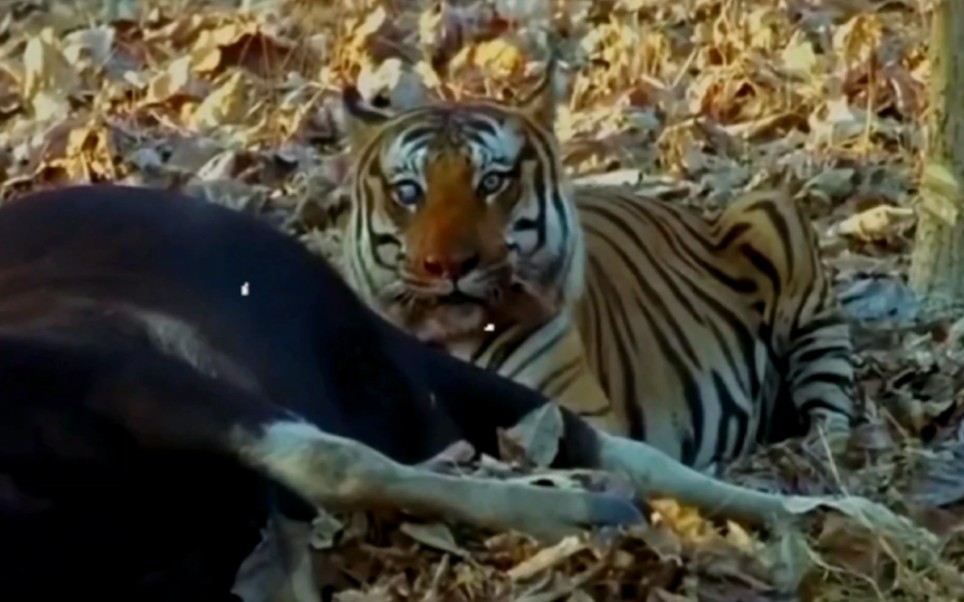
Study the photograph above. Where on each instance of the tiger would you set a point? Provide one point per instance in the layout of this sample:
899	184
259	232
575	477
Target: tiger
704	336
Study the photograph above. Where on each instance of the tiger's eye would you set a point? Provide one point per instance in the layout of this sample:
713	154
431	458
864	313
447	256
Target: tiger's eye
491	183
408	192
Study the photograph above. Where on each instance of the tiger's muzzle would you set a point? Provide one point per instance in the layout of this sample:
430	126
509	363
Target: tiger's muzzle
449	298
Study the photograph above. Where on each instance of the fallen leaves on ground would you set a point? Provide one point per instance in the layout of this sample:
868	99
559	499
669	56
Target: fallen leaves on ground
691	101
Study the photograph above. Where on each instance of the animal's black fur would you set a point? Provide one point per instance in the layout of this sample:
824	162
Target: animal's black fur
110	482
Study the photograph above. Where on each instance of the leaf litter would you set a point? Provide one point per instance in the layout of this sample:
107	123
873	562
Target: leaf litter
694	102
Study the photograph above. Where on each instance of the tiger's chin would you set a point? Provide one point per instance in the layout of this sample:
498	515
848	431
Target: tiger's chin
445	323
452	319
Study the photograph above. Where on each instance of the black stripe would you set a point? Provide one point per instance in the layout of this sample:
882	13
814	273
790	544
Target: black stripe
828	378
812	337
487	342
418	134
731	361
732	233
815	325
483	125
694	401
381	239
809	406
730	412
654	298
763	264
740	285
361	247
538	353
474	137
746	339
508	348
539	187
619	318
547	161
779	223
682	371
640	246
596	306
525	224
559	379
801	306
836	351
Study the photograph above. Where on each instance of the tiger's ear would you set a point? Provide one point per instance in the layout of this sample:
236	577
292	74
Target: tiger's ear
540	104
362	120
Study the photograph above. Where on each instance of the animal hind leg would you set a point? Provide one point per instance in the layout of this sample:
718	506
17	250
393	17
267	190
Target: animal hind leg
480	404
766	240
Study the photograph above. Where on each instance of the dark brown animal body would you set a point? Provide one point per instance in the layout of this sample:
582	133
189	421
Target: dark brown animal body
172	371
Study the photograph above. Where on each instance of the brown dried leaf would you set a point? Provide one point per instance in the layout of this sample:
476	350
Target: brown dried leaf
535	439
324	529
225	105
939	478
881	222
659	594
434	535
851	546
49	79
547	558
172	81
499	58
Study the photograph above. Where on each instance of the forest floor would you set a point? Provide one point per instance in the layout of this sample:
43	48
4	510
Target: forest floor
693	101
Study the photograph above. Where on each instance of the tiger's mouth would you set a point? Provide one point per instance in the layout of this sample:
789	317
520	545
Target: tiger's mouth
447	317
461	298
494	297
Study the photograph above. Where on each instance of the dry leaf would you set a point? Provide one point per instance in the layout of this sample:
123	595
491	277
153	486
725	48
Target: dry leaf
535	437
873	517
547	558
172	81
799	56
659	594
49	79
324	529
225	105
879	222
876	299
92	46
434	535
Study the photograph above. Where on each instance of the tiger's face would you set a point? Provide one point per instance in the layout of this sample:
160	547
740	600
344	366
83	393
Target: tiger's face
461	220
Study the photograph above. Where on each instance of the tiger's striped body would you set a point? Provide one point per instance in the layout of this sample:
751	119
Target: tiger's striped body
698	332
700	337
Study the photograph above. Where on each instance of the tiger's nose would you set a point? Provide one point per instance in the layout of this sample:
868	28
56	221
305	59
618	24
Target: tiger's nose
452	266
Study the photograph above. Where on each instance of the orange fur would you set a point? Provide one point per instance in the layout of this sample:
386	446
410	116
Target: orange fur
454	224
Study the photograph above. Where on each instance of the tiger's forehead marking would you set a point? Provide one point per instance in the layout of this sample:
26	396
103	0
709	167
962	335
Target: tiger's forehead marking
485	139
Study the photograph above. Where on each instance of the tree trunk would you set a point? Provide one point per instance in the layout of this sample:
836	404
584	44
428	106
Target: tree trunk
937	265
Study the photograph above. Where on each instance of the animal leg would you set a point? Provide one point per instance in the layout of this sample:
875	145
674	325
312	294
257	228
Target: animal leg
801	314
164	404
481	405
333	471
655	474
